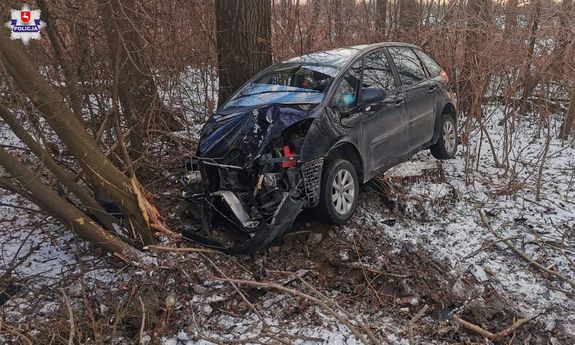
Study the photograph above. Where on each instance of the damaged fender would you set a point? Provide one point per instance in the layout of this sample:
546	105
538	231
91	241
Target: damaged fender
249	174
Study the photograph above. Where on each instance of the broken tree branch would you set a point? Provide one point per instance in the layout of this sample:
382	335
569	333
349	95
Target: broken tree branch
274	286
237	289
523	255
486	334
183	250
412	322
71	314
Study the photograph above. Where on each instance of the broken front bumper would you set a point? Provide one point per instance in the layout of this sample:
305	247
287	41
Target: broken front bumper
260	211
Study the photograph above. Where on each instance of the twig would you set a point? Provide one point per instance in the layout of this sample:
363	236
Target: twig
270	285
473	328
363	271
486	334
489	245
334	303
182	250
16	333
8	272
71	313
414	319
523	255
243	297
20	207
142	326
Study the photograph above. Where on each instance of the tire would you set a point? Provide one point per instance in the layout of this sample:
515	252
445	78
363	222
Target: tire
446	145
338	205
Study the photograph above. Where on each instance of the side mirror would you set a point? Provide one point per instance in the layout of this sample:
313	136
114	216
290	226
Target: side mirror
373	95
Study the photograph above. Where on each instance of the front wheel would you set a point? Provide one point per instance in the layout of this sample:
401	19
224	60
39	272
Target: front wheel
339	191
446	145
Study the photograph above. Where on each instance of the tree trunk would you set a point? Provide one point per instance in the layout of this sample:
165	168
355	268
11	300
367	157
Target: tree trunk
64	62
380	17
60	173
99	170
510	16
243	42
337	25
567	125
311	36
555	66
62	210
141	104
472	78
409	15
530	81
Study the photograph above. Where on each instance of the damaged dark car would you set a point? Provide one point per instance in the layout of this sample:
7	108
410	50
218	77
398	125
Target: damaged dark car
306	132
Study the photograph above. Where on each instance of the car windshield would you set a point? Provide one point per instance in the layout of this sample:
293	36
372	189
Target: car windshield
286	84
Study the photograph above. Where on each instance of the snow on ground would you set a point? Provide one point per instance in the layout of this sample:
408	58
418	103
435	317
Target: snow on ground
441	217
453	232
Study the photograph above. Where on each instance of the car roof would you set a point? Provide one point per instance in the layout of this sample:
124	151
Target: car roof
341	56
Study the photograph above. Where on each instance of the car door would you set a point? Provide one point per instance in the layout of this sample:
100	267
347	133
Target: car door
384	122
421	94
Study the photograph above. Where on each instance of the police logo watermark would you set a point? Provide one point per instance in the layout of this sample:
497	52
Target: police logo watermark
25	24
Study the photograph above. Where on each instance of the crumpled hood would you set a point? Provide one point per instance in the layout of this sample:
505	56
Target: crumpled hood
246	131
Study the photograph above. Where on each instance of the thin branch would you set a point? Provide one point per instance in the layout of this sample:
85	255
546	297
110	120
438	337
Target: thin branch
71	315
523	255
274	286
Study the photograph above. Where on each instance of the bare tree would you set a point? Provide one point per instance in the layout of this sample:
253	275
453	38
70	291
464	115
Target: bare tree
138	94
243	41
409	15
98	169
567	125
381	16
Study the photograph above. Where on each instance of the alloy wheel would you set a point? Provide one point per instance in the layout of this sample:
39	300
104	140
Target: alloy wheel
449	136
343	192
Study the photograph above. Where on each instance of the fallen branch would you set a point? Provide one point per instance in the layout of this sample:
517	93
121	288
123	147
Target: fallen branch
473	328
274	286
523	255
71	313
334	303
243	297
15	332
182	250
493	336
414	319
143	324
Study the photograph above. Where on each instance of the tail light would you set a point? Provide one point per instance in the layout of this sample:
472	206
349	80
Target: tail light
289	156
444	76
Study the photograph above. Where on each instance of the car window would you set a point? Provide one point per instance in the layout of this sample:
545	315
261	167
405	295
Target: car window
377	71
345	96
408	65
432	67
286	84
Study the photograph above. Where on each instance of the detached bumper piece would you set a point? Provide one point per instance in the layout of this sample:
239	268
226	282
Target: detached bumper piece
261	236
259	205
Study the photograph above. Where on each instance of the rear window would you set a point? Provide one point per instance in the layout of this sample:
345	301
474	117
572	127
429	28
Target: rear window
408	65
432	67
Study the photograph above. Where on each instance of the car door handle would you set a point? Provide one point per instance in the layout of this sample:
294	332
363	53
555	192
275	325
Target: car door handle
399	101
432	88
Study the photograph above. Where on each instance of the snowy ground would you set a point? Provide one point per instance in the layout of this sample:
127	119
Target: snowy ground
435	215
544	229
442	219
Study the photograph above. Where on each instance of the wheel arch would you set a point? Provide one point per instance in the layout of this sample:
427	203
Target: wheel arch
348	151
448	108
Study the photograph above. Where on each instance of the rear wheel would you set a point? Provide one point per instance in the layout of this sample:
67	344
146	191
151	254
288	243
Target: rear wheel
446	145
339	191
